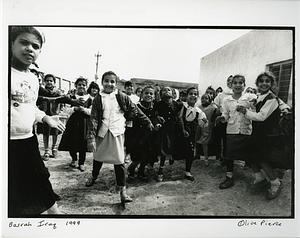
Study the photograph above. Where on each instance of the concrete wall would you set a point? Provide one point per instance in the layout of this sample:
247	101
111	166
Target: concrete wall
247	55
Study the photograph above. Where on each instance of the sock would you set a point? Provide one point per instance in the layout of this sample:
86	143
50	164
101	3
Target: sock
229	174
188	174
258	177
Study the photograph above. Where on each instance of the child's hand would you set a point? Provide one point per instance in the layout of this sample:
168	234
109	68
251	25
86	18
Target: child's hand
220	119
80	101
241	109
91	145
53	121
150	127
161	120
185	133
284	111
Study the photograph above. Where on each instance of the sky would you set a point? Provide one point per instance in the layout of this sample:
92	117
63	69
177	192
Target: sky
161	53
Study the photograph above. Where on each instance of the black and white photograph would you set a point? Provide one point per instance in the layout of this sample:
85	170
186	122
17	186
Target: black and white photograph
143	124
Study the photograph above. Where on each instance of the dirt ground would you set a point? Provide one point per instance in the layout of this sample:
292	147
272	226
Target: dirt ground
173	196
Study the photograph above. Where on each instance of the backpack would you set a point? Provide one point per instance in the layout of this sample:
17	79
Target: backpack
286	124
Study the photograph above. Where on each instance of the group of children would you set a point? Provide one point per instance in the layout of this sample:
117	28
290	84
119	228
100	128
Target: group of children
153	127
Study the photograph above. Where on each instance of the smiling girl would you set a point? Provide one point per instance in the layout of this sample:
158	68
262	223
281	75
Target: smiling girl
268	142
190	117
110	110
239	128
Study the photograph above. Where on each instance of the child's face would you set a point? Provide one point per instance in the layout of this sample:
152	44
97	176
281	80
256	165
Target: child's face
129	90
94	92
81	87
238	85
148	95
139	92
192	96
49	82
210	93
264	84
166	92
229	82
109	83
25	49
205	100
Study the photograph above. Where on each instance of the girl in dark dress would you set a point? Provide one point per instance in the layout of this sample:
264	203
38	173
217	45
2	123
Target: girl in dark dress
145	150
168	111
74	138
190	117
269	143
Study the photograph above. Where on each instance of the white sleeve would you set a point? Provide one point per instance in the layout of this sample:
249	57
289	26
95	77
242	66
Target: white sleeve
217	100
267	109
225	111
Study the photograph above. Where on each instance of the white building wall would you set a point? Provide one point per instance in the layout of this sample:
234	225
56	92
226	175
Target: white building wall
247	55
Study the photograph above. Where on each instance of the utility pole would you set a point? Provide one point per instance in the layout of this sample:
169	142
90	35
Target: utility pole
97	62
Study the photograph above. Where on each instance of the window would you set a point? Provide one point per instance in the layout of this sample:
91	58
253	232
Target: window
283	74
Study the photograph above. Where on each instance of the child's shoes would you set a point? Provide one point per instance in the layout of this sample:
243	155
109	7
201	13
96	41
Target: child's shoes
73	164
46	155
90	182
227	183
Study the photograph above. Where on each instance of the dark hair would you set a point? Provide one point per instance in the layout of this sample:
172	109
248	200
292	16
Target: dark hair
138	89
128	84
15	31
80	79
211	89
146	87
109	73
183	93
267	74
239	76
190	89
91	86
50	75
220	89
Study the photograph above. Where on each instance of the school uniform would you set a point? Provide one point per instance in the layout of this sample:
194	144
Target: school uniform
208	135
190	118
74	137
270	145
146	146
29	189
108	116
239	128
169	112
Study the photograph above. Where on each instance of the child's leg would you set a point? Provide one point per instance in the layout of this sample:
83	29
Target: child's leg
120	172
96	168
228	182
141	172
54	145
46	147
161	168
82	156
188	166
95	172
73	155
205	152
